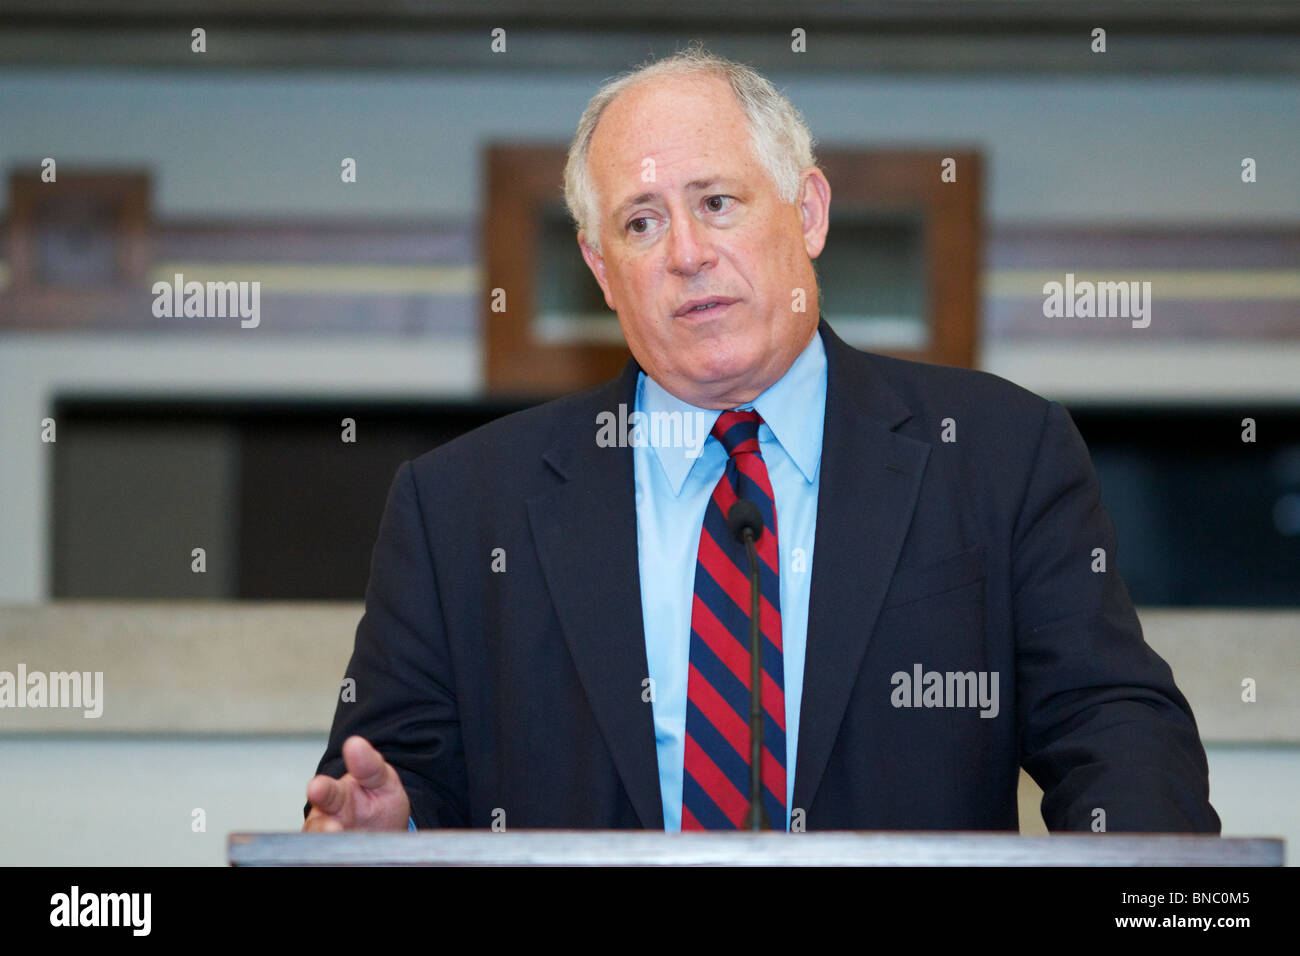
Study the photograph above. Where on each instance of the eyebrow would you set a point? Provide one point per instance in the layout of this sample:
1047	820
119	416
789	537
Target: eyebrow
695	185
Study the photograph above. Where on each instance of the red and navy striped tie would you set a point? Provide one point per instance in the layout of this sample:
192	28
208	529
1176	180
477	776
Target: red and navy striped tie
715	784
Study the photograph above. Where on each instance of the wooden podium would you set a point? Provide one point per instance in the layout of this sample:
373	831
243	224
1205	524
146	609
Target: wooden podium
650	848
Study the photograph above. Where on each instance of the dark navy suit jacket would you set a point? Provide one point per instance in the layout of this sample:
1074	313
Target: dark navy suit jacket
518	695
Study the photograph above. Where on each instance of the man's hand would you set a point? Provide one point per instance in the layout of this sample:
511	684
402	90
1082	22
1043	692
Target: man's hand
370	796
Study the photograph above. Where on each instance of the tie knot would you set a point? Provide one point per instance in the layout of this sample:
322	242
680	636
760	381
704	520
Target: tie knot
738	431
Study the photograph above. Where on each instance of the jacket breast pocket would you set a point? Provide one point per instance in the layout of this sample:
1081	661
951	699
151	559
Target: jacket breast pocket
949	573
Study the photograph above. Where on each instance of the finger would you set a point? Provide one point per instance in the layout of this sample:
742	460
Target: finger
326	794
365	763
316	822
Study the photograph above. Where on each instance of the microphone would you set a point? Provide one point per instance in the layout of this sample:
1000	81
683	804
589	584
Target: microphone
744	516
745	522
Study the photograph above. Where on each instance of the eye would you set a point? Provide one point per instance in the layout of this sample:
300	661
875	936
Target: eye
640	219
709	203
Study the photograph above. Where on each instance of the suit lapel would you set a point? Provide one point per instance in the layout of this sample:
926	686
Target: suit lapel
870	479
585	530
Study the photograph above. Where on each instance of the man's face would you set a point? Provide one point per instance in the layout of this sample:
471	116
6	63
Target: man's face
687	214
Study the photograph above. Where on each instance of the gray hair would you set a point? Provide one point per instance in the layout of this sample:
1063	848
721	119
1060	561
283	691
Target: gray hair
779	137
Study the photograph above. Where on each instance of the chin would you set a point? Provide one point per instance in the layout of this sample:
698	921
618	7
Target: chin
719	365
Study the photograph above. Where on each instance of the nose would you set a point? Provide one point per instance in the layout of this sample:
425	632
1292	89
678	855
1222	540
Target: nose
689	247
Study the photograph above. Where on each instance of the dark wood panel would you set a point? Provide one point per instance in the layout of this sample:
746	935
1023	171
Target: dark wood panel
521	182
909	179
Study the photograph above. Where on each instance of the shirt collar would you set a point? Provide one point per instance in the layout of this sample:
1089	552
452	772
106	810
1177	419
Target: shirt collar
788	406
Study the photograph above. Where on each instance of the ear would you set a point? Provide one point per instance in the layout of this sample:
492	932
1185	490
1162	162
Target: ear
815	210
596	263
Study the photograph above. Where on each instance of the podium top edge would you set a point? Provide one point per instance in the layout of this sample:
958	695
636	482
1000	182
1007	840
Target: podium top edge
552	847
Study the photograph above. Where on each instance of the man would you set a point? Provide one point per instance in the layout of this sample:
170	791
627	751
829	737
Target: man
556	624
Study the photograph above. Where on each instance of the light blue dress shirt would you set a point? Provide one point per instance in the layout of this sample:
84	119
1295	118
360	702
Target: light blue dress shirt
675	476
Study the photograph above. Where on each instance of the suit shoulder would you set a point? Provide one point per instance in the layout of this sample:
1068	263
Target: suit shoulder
948	390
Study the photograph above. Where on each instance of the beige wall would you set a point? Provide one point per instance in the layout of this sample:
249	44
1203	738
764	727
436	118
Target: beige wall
225	707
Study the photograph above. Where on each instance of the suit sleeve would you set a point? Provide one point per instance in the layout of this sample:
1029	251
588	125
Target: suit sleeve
1102	726
405	700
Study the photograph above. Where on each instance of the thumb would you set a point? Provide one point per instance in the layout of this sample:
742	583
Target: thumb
366	764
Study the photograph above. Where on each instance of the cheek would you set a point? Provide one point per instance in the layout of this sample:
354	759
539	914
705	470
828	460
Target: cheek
766	261
625	274
650	339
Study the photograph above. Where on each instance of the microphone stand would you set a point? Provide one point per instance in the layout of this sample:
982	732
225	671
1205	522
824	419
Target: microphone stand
756	818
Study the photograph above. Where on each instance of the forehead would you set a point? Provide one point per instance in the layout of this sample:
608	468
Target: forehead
679	122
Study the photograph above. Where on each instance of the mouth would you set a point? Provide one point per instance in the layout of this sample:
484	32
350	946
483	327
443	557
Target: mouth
707	306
